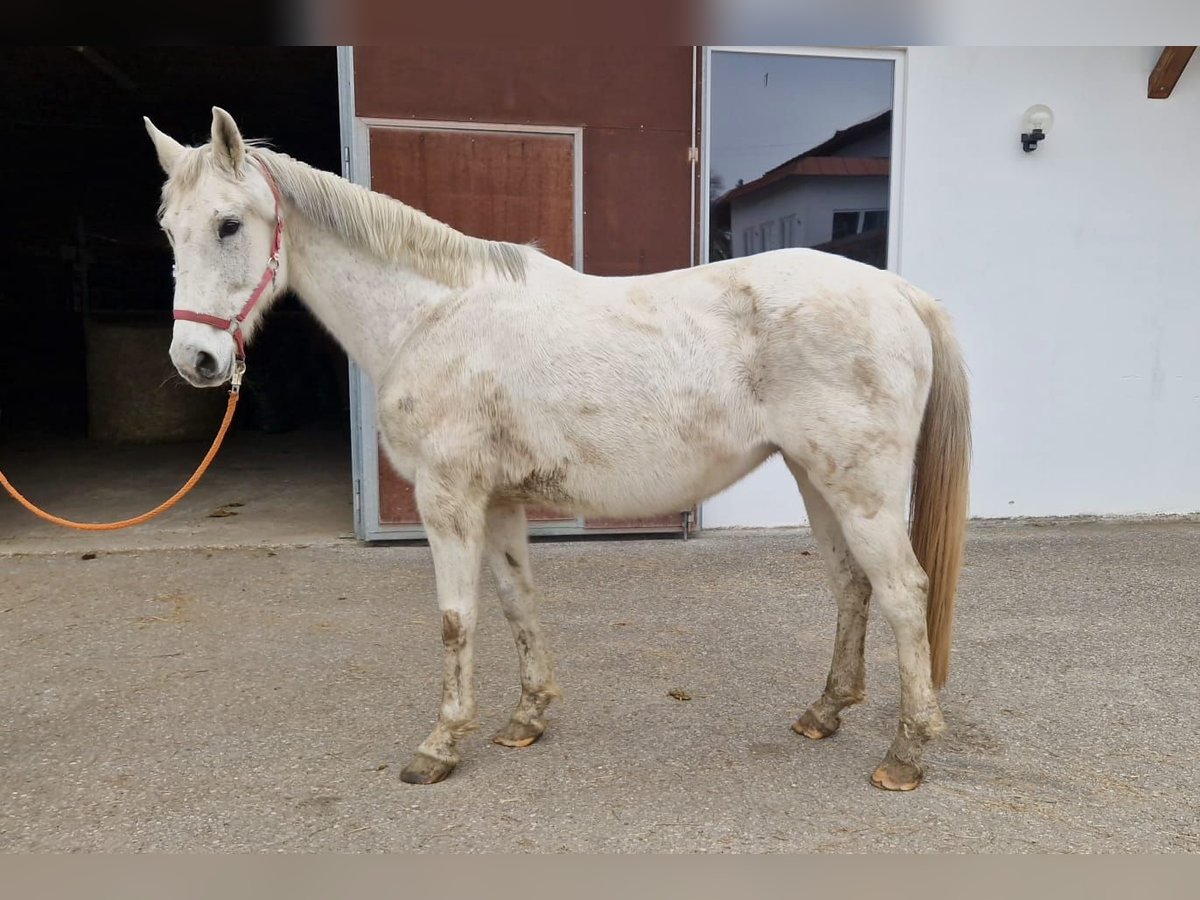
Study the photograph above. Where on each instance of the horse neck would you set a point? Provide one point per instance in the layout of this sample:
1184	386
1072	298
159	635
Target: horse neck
366	303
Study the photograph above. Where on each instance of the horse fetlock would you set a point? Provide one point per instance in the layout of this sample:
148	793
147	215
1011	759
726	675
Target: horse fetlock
458	728
845	685
901	769
847	698
445	735
823	718
542	697
922	728
535	700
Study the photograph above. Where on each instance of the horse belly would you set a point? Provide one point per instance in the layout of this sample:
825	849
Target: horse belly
661	481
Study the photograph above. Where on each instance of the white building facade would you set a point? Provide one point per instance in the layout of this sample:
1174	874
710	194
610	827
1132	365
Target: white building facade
1071	273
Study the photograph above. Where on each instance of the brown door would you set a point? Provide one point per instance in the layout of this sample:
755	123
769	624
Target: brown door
498	185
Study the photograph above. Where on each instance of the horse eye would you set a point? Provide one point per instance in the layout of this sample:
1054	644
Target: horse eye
229	227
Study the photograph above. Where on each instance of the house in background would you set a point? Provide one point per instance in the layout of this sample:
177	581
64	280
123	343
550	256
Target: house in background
833	197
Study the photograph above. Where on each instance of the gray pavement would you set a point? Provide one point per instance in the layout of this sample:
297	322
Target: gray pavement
265	698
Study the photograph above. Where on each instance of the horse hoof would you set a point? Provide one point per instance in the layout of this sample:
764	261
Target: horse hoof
813	728
518	734
426	770
893	775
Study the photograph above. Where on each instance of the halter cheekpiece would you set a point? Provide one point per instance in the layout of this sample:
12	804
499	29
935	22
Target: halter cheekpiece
234	325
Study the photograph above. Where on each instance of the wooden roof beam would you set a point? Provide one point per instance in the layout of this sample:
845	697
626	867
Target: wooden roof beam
1171	63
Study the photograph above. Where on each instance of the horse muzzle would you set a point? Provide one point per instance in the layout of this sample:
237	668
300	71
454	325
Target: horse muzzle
201	368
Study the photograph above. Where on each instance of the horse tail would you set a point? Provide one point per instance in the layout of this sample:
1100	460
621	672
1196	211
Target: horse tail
941	470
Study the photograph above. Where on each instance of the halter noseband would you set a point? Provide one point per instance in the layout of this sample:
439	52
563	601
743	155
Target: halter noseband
234	325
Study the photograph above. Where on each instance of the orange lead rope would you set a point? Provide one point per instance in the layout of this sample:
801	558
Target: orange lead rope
234	327
234	393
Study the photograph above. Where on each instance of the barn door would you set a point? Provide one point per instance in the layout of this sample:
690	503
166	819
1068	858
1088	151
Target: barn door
490	183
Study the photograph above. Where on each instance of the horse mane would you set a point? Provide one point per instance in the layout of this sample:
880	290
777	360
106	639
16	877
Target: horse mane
383	226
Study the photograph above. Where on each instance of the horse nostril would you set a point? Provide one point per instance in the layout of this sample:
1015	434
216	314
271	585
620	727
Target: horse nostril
206	364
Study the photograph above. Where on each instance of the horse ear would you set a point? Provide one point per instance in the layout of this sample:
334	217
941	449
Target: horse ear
169	150
228	147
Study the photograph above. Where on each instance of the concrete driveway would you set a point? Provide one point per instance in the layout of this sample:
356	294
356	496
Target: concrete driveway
265	698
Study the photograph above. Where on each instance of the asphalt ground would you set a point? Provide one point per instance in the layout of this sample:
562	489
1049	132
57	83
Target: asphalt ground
265	698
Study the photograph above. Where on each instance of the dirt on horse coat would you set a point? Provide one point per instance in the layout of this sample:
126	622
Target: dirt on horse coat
506	378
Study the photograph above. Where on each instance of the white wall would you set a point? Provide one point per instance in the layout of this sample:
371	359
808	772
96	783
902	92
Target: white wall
1072	274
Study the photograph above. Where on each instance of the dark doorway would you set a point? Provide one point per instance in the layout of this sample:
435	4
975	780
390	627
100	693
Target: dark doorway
86	289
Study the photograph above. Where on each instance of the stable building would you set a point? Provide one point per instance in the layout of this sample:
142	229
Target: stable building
1066	265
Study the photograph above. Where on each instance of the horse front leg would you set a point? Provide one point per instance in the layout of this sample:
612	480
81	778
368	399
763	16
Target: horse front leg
508	559
454	522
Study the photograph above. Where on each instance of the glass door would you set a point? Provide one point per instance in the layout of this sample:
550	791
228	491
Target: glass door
801	148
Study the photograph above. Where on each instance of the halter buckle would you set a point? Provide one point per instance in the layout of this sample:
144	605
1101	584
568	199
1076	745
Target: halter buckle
235	380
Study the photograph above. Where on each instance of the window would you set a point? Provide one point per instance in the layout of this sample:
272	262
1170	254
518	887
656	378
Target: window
770	242
848	222
789	231
773	234
874	219
776	120
844	223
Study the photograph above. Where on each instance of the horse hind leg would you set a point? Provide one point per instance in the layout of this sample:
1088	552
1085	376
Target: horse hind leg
508	558
846	683
868	502
899	587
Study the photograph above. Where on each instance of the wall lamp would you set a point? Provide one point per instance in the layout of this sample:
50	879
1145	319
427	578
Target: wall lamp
1037	122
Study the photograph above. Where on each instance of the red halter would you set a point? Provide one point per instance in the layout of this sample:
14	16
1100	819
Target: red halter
234	325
